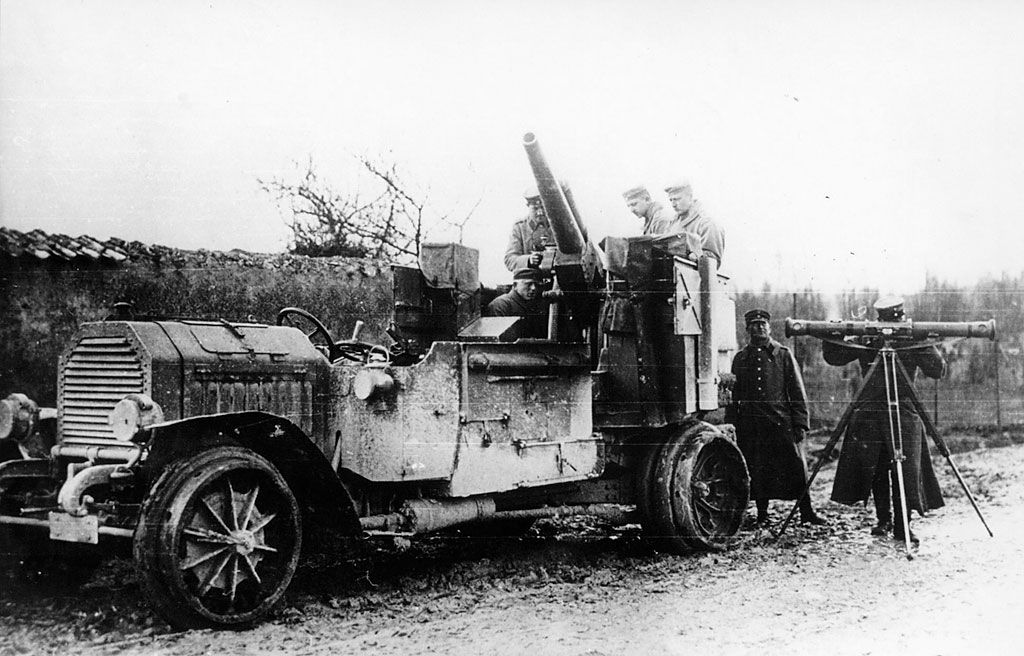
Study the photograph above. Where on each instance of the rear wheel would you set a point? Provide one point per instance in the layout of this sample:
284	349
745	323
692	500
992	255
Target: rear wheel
651	449
218	540
699	489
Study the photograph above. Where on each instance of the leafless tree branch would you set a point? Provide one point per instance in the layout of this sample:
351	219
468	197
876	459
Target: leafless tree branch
388	223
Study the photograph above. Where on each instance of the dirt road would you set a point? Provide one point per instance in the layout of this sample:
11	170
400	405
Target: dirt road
589	589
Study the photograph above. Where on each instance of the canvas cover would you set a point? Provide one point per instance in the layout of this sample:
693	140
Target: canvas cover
450	266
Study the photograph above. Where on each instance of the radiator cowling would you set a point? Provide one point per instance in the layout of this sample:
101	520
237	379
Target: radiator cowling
190	368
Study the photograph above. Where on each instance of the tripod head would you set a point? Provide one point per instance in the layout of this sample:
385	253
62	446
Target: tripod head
901	331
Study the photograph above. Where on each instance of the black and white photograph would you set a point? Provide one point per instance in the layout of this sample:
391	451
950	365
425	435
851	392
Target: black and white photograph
550	327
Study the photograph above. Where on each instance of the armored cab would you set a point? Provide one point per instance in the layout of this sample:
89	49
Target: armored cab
218	448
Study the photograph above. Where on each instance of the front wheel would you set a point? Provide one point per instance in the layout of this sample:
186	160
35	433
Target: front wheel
699	489
218	540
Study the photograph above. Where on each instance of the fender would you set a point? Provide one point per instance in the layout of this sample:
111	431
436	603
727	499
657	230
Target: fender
324	500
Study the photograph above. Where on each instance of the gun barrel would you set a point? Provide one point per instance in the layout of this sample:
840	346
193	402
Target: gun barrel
564	226
910	330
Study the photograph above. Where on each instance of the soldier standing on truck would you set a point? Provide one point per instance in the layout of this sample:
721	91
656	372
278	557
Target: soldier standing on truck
769	410
530	235
690	217
658	220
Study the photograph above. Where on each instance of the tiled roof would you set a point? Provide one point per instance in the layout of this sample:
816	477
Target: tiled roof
40	245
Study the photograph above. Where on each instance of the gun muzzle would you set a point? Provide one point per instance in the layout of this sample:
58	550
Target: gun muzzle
564	226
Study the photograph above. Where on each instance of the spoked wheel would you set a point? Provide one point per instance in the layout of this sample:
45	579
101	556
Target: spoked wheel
699	489
218	540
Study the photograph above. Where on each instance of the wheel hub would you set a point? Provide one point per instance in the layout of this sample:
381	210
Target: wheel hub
244	541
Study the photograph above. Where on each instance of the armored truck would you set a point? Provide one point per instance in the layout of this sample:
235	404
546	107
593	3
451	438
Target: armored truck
216	448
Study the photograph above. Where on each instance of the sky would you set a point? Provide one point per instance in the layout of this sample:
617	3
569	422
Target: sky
839	144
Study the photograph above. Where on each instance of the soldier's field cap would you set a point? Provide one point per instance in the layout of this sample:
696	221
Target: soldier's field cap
528	273
639	191
679	185
531	193
757	315
889	303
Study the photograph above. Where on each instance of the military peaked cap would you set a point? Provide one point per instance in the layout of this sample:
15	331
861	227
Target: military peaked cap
679	185
528	273
889	303
639	191
757	314
531	193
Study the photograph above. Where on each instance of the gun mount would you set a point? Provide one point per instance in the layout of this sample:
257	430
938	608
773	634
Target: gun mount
217	447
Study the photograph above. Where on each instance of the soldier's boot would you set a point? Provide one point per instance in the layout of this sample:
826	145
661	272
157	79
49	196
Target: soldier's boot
807	514
883	527
897	529
882	496
762	512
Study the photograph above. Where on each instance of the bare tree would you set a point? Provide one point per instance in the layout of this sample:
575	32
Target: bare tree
388	222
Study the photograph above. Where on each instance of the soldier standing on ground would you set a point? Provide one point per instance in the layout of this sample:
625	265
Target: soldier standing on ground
530	235
866	460
769	410
690	218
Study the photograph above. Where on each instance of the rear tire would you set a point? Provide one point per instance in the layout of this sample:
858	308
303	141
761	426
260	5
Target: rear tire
699	490
644	486
218	540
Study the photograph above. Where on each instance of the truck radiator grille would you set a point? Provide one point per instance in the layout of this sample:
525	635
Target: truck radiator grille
99	372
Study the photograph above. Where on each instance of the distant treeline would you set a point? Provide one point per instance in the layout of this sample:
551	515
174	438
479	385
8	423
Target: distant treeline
985	380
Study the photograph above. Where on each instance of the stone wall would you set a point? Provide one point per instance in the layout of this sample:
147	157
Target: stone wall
43	302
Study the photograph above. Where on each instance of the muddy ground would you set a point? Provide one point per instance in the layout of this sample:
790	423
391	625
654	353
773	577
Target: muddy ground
583	588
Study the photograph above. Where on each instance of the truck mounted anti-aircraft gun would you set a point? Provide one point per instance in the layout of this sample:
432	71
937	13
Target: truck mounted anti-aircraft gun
216	449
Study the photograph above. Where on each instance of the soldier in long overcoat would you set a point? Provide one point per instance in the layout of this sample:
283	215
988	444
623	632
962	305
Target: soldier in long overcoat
866	459
769	410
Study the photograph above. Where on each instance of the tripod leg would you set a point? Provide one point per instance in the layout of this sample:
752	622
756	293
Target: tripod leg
833	439
904	518
892	397
940	444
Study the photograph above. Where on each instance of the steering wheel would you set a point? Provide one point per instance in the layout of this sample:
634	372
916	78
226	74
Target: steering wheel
352	349
314	330
317	333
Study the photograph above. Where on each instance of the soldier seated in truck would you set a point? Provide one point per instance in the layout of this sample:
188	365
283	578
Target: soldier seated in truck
523	300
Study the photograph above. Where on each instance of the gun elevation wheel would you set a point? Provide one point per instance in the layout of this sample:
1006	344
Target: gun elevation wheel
218	540
698	490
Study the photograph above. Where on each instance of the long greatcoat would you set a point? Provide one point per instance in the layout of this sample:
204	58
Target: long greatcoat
769	404
868	435
527	237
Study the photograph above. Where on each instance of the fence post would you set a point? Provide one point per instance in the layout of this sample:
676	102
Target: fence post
999	413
